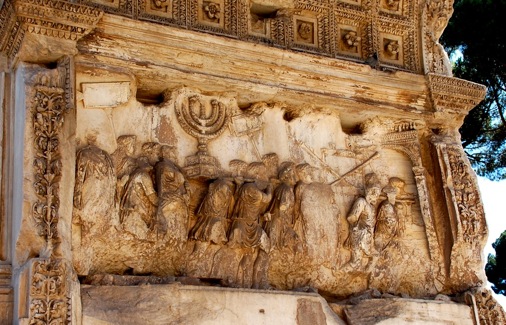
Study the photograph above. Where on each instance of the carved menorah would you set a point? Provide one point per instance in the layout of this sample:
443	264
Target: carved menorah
204	119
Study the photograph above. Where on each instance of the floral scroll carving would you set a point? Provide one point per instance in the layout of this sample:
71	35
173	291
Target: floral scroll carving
49	274
49	106
467	214
48	287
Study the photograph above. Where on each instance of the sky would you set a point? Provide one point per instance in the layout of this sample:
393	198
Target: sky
493	195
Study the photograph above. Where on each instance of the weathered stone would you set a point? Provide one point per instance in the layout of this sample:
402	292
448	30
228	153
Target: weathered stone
156	150
177	304
403	311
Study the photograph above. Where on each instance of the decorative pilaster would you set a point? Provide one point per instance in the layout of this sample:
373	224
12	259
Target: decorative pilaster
462	195
486	310
50	275
466	217
47	121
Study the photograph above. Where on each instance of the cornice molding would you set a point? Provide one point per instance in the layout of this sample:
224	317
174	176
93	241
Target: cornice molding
454	96
59	20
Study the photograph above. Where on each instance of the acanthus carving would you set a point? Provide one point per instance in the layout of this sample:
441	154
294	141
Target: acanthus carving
48	289
49	107
469	224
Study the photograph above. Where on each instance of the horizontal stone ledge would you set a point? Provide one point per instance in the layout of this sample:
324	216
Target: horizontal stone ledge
150	49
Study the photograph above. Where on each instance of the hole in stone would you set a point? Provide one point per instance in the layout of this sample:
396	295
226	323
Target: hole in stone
262	11
149	97
288	116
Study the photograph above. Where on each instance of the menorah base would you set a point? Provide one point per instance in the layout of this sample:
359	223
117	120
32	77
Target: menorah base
202	166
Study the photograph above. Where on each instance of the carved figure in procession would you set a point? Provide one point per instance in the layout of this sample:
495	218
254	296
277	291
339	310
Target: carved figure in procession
122	158
238	168
152	150
304	174
387	221
252	200
123	161
94	190
281	210
362	220
139	201
214	213
174	197
271	162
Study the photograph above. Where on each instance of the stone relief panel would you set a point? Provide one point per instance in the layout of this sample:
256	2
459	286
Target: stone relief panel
246	197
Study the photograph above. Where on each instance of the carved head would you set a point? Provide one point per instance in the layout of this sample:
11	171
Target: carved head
126	143
304	173
168	153
400	209
287	173
238	167
397	183
372	194
391	193
271	162
152	150
143	162
257	170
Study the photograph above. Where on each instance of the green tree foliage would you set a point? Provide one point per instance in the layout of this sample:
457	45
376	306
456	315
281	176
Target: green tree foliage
478	30
496	266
